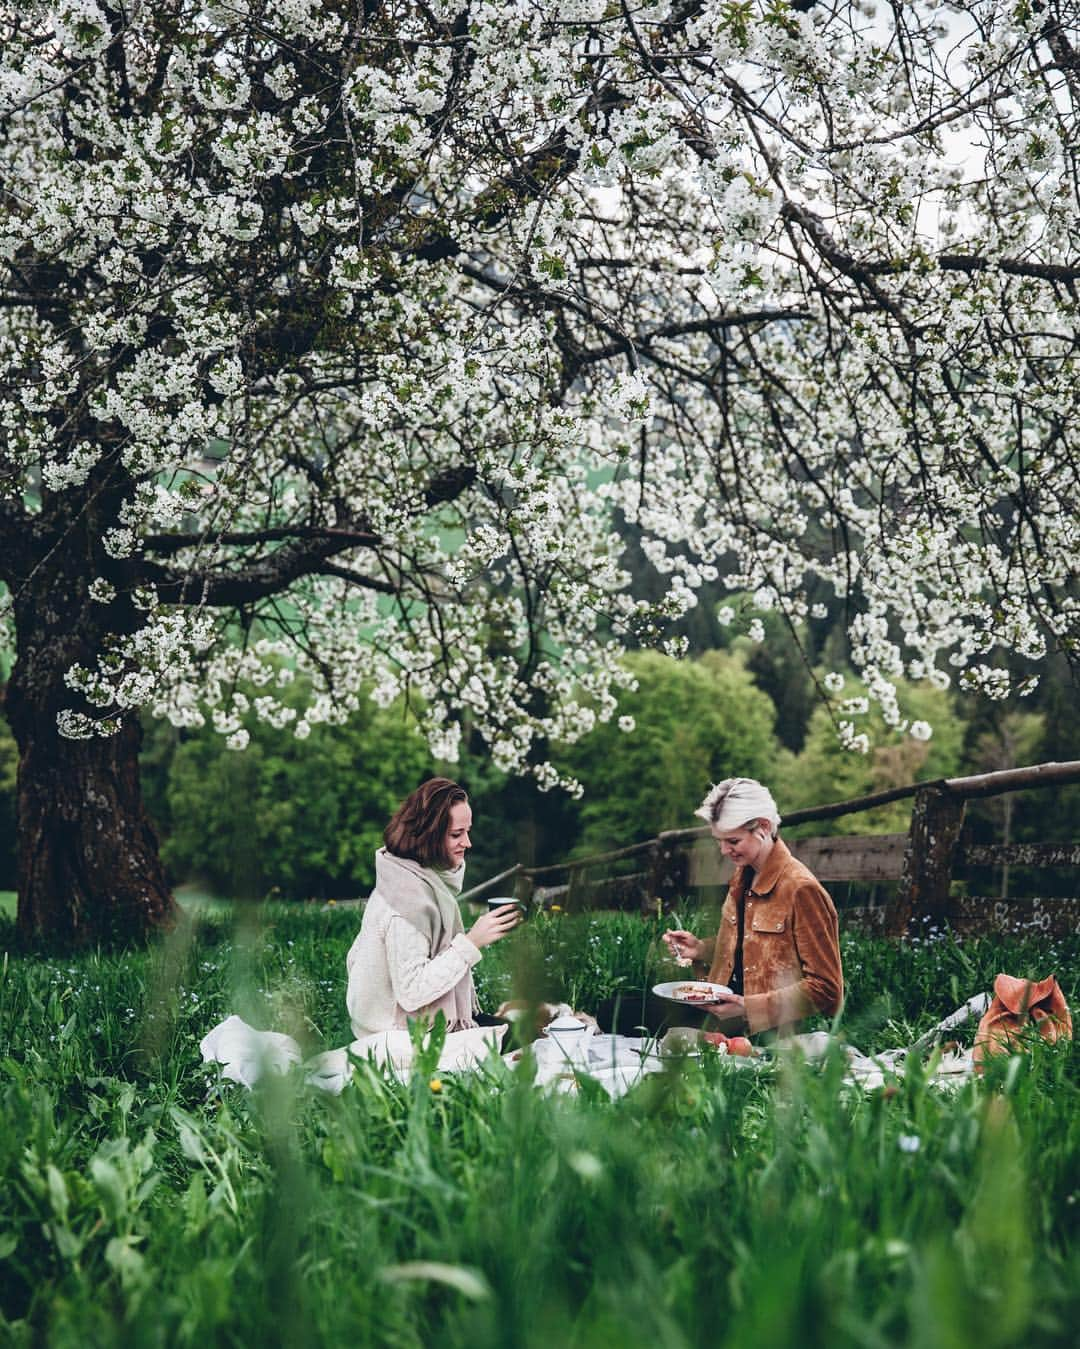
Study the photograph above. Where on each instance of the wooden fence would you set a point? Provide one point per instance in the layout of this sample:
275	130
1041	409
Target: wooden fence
921	864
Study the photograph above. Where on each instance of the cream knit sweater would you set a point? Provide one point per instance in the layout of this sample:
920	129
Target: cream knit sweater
392	975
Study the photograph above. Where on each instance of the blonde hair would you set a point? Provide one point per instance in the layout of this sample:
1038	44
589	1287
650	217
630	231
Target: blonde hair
739	803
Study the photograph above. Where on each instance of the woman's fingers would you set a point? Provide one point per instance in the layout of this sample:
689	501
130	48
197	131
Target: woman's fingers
497	923
683	945
730	1008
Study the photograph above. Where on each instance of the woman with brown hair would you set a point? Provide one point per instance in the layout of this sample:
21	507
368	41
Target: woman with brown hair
412	957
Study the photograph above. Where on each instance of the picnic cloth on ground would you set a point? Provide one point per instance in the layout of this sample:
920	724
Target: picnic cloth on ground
1017	1004
617	1062
247	1055
411	956
870	1071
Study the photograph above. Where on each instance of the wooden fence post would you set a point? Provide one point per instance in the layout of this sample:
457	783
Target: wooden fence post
524	885
937	817
577	889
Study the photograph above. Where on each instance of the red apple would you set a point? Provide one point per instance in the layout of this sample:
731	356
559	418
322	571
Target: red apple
739	1044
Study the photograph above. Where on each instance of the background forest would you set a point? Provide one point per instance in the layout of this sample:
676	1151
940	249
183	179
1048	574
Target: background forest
301	818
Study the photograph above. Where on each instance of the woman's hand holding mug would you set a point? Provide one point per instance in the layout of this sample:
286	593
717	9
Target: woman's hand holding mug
495	924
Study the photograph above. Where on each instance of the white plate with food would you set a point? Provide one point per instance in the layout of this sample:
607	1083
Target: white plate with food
690	992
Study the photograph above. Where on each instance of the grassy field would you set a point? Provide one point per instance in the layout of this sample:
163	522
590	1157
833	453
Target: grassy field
146	1202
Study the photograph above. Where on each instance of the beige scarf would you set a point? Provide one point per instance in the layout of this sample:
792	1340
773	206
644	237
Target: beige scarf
427	900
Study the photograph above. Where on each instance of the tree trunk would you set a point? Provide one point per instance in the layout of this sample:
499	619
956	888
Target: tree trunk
88	866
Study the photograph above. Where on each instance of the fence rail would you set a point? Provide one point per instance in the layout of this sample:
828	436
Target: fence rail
923	863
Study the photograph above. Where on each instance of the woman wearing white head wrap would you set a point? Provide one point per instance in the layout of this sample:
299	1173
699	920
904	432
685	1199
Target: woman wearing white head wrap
737	802
778	946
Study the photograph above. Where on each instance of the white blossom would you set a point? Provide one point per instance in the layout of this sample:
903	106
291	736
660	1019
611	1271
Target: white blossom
457	323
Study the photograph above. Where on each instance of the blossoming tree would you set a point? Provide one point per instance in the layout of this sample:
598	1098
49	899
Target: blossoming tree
332	335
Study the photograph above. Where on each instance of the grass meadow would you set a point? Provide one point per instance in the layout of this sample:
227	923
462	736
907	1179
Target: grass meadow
147	1202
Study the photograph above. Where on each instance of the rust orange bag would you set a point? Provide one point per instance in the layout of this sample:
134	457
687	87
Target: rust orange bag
1018	1003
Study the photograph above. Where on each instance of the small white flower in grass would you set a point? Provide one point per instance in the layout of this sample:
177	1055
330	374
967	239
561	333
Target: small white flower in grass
909	1142
833	681
626	724
819	611
587	1165
921	730
238	740
724	615
756	630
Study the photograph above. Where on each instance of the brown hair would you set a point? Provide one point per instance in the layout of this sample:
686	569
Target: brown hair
418	827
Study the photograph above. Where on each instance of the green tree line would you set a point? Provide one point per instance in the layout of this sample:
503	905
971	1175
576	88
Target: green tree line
301	818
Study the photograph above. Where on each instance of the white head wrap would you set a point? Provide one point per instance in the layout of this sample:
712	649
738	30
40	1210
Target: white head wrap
735	802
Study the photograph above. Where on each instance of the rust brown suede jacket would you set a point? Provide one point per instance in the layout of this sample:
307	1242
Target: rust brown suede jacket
791	946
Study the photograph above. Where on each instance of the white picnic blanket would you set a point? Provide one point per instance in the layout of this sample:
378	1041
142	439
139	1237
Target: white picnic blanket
246	1055
617	1062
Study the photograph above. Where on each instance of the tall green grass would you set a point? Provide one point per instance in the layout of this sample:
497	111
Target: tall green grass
146	1202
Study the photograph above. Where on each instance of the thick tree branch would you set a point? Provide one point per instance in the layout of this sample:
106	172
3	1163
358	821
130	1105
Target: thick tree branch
714	324
1042	271
246	585
866	272
175	543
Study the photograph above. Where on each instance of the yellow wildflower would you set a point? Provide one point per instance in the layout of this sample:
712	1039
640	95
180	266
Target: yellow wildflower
435	1084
